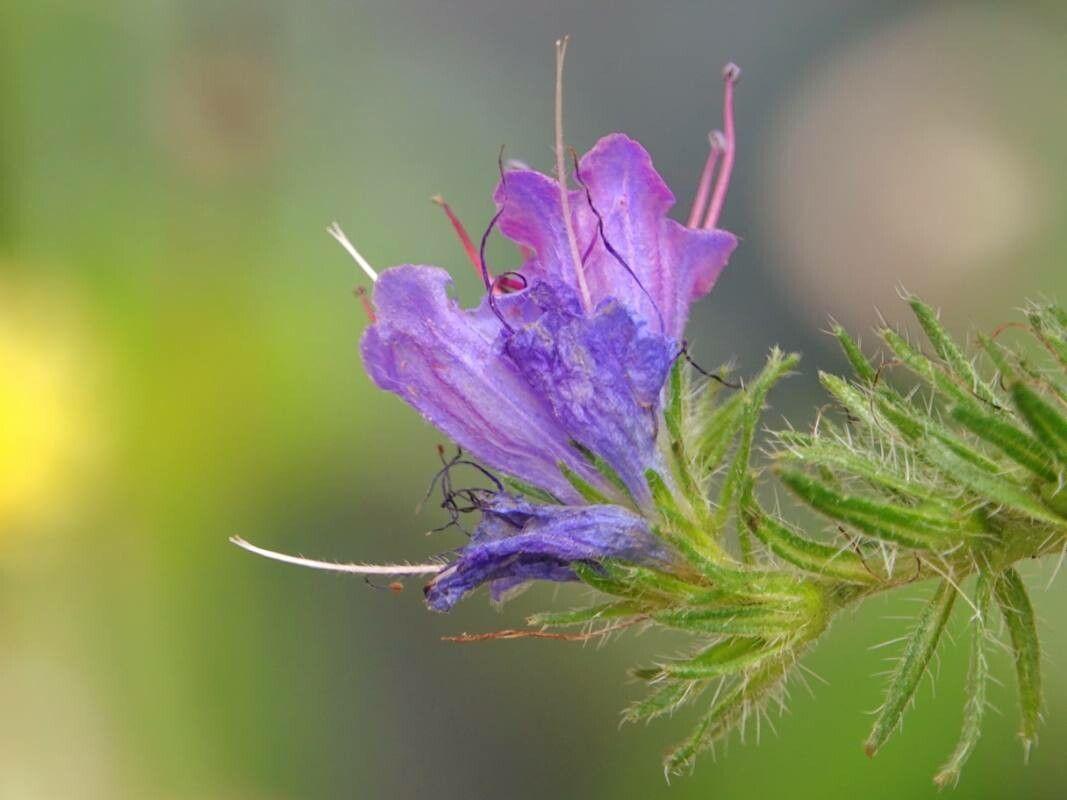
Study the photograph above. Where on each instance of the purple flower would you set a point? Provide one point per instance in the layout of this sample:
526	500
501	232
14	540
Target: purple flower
562	364
516	384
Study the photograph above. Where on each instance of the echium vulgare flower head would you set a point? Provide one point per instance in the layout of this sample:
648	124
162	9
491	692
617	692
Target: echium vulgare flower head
605	455
555	380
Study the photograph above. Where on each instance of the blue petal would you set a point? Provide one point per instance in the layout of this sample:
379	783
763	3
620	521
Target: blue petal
518	541
601	375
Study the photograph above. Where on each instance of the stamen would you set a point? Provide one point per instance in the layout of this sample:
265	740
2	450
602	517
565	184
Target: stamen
361	293
717	143
335	231
358	569
561	176
461	232
730	75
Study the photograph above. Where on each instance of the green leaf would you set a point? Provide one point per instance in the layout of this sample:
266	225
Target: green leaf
920	647
975	689
1018	615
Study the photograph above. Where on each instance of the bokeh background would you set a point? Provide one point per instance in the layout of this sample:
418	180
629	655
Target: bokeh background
178	363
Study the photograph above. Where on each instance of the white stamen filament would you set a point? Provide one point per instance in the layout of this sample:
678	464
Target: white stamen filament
561	176
330	566
335	231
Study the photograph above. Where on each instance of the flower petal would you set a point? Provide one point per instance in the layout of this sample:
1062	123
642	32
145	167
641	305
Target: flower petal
449	364
601	375
519	541
674	264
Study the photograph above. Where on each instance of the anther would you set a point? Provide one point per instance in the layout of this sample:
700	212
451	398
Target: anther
716	146
731	73
335	231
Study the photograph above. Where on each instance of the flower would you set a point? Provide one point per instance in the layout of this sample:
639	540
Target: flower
571	363
555	380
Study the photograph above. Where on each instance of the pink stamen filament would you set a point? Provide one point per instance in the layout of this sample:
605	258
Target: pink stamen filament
361	293
717	143
330	566
730	74
561	178
504	283
461	232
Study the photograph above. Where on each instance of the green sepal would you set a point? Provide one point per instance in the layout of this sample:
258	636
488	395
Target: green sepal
920	647
778	364
744	697
924	530
664	699
1044	420
885	476
1018	614
863	368
976	687
529	490
1018	445
813	557
725	657
640	583
999	356
926	369
589	493
997	490
719	431
949	352
763	620
673	409
1050	332
582	616
606	471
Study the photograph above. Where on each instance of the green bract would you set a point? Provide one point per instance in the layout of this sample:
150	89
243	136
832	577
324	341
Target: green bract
953	479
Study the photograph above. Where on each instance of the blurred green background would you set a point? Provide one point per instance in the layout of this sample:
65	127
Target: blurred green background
178	363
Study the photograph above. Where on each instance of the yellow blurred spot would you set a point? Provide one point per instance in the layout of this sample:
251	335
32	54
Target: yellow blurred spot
46	437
